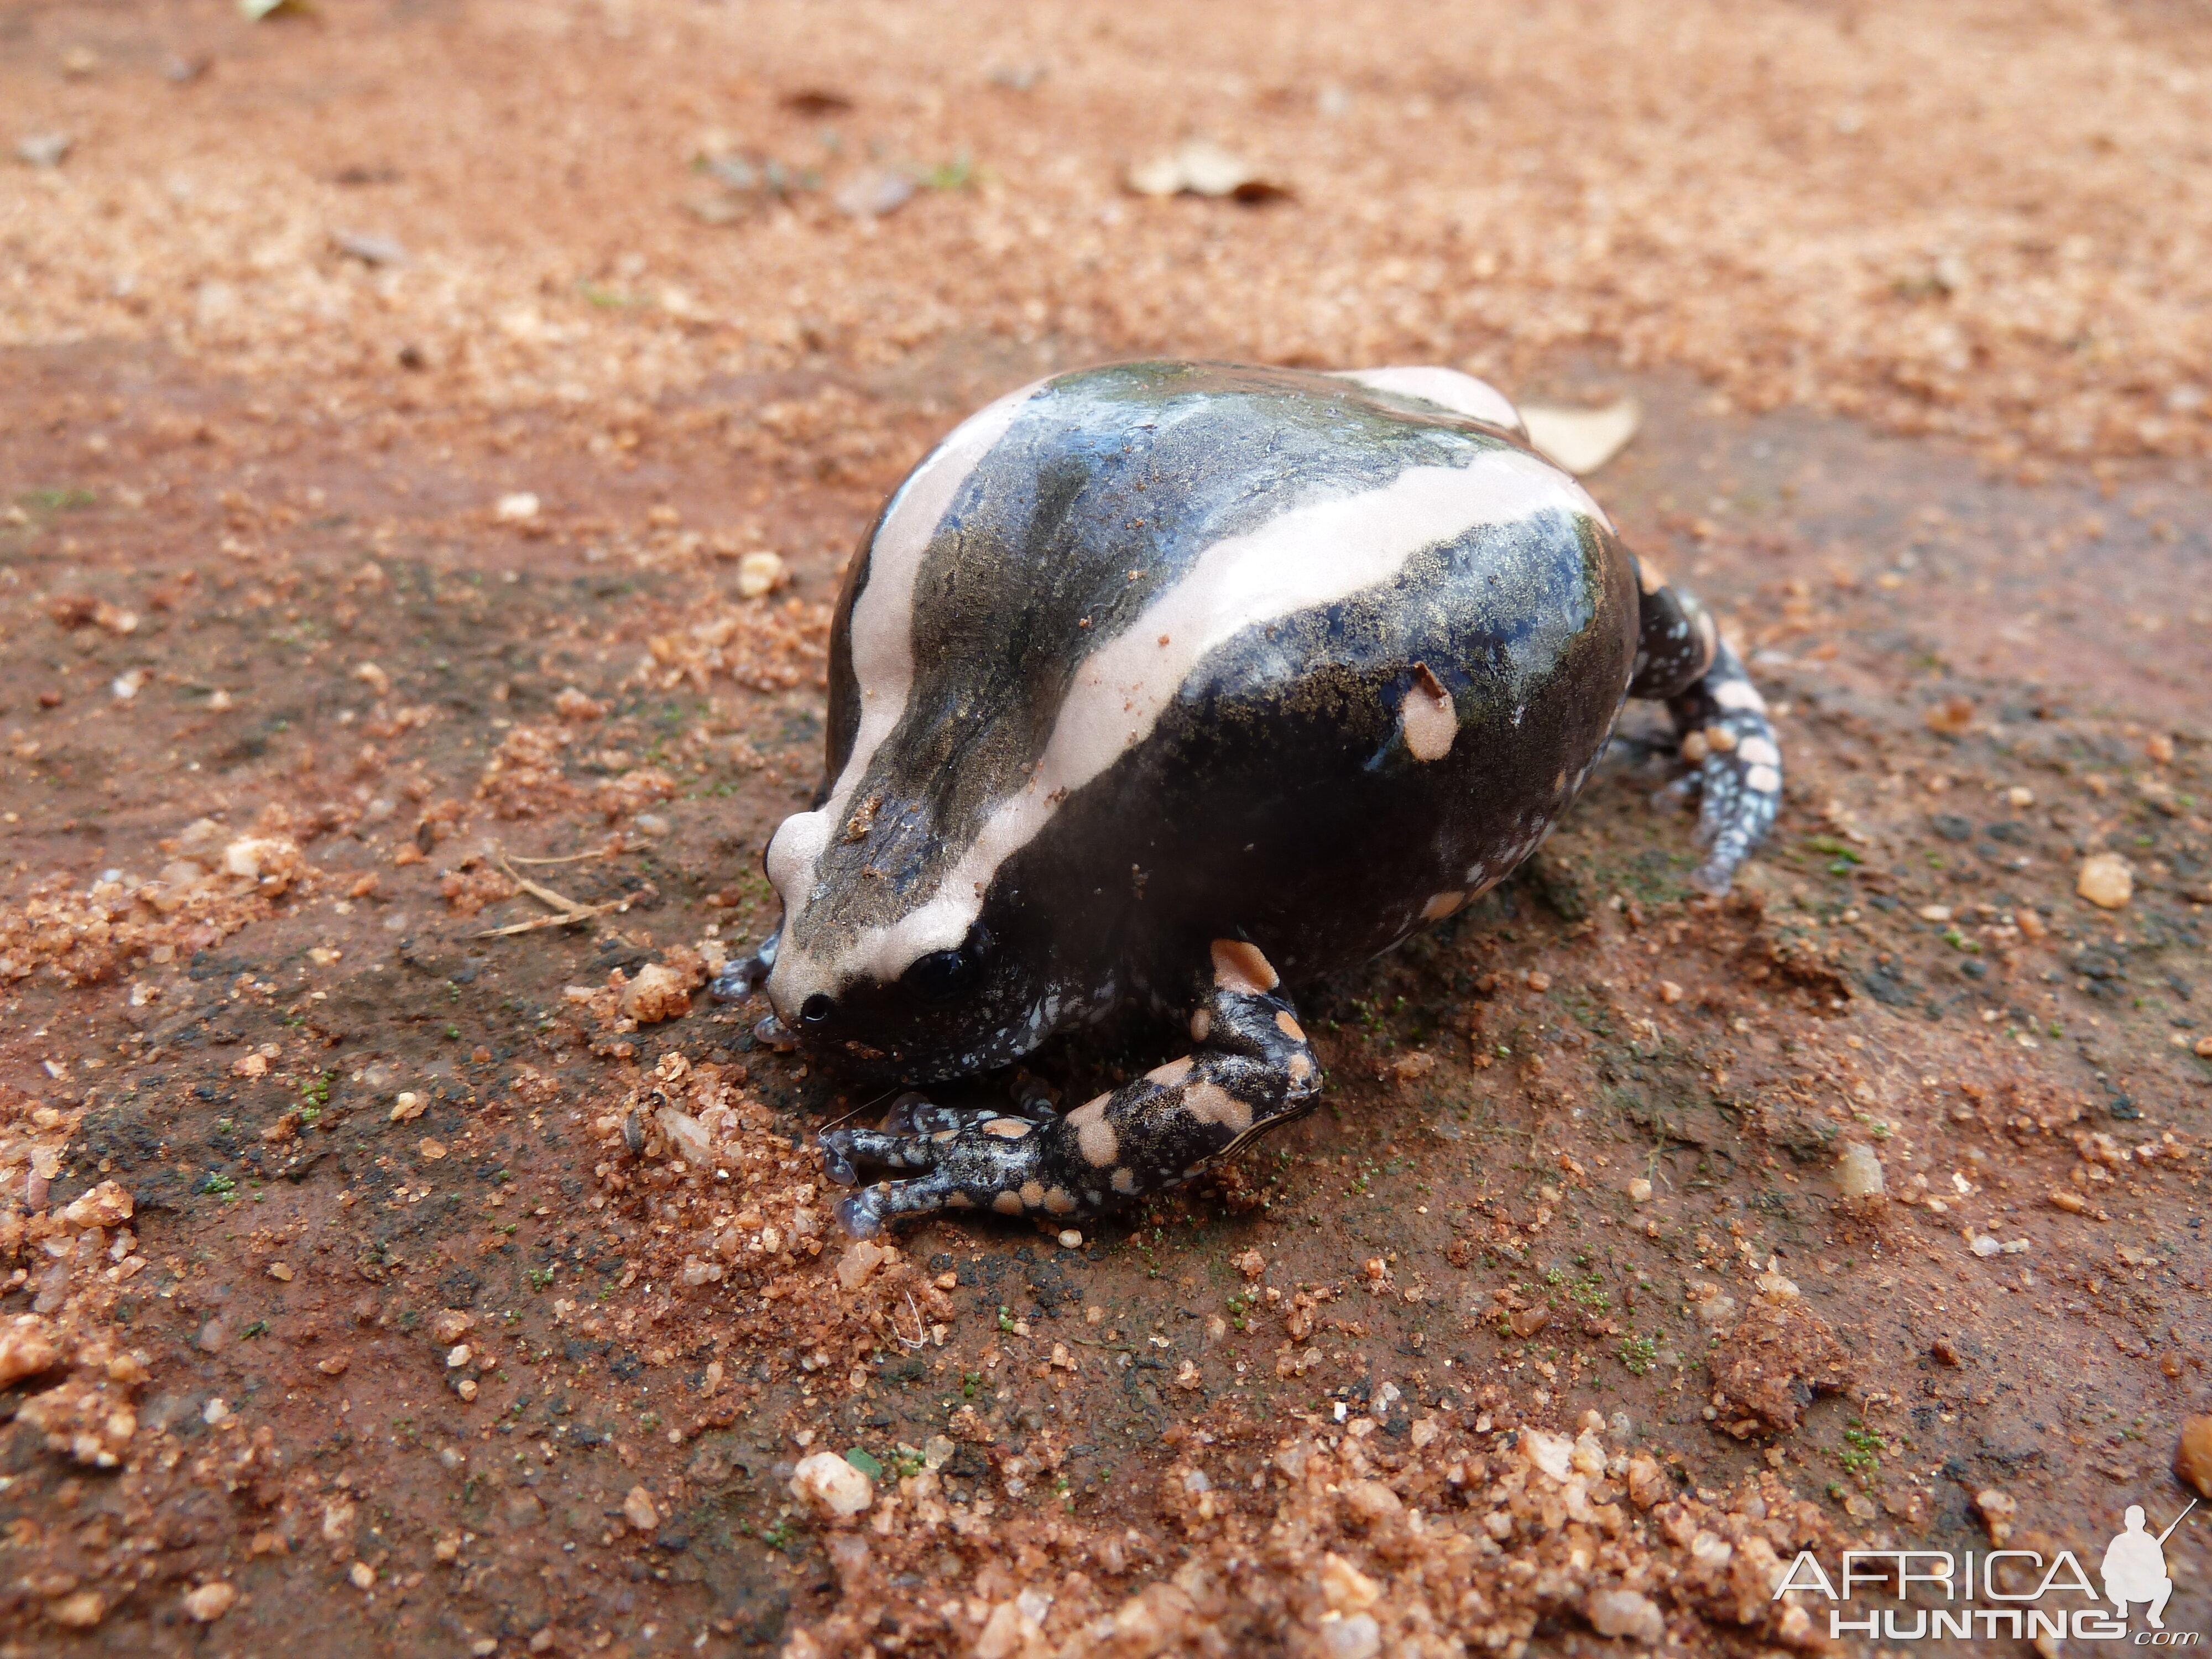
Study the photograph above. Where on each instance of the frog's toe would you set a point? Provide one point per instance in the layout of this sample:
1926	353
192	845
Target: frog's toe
737	981
843	1148
1732	819
743	976
1035	1098
861	1216
900	1117
866	1214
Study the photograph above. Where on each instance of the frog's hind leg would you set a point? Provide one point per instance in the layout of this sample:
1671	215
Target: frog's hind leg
1252	1069
1722	721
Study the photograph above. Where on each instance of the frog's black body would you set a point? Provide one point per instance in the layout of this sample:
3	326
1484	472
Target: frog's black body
1178	679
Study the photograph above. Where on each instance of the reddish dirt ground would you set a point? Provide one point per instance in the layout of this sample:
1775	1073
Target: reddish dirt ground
464	1304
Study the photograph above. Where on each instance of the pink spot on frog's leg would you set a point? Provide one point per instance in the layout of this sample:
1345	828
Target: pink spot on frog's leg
1094	1136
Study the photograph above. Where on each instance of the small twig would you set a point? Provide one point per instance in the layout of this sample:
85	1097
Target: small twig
920	1341
558	901
564	919
606	852
570	911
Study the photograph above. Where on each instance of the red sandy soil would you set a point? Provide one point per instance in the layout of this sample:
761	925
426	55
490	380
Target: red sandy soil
474	1295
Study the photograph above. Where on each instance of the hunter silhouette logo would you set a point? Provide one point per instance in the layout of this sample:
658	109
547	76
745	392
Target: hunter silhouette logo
2135	1567
1984	1593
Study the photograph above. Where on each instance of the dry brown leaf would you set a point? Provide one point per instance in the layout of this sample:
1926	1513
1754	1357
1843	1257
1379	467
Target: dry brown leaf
1582	440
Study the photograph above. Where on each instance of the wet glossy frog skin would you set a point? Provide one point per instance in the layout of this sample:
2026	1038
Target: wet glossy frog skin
1185	681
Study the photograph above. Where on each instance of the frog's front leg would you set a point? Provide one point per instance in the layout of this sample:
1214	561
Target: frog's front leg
1722	719
743	976
1252	1069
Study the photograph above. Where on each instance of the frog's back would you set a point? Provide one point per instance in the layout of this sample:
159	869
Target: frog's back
1166	651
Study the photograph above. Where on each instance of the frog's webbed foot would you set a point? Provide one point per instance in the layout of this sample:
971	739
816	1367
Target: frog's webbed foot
1252	1069
1722	721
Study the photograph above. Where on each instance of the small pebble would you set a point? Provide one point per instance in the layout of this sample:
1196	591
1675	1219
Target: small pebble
829	1485
1357	1637
638	1511
520	508
2192	1456
874	193
44	150
370	250
1071	1239
2106	881
363	1575
1998	1510
859	1263
1670	991
1640	1191
1858	1172
1626	1613
209	1601
79	1611
761	573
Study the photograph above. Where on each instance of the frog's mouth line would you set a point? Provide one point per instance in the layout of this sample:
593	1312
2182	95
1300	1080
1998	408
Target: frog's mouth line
1001	1045
773	1033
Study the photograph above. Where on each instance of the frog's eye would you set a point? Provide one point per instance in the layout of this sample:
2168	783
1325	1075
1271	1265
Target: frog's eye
816	1009
943	974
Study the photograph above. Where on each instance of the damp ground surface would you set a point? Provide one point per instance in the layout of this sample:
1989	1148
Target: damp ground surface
402	1255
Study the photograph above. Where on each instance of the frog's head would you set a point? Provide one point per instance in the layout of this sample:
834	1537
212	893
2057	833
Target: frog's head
886	989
